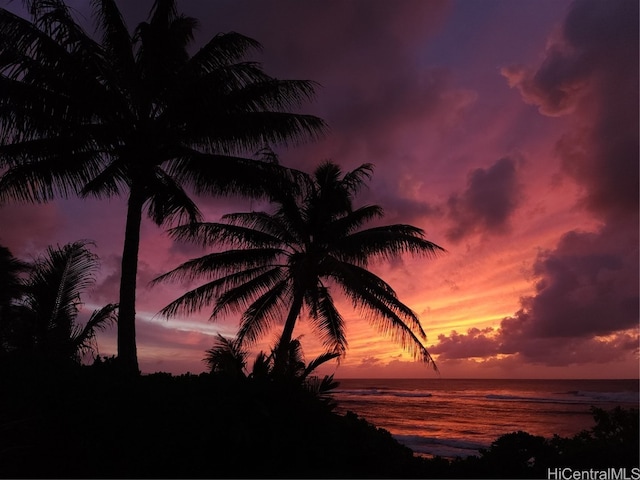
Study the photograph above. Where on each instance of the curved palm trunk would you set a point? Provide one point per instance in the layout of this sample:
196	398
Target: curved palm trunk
280	360
127	353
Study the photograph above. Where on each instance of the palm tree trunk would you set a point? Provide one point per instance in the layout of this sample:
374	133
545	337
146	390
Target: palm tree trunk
127	354
280	360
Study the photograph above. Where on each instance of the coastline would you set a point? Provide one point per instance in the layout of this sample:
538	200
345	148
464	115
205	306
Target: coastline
458	417
92	424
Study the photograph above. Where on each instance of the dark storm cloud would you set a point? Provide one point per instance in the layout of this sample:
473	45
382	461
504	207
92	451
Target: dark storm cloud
587	286
475	343
375	93
500	348
365	57
585	306
592	71
491	197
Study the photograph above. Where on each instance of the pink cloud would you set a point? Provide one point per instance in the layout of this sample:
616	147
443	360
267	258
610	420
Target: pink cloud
585	304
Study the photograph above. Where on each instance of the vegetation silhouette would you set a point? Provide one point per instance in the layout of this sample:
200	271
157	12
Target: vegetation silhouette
93	423
612	443
42	328
136	115
279	263
228	359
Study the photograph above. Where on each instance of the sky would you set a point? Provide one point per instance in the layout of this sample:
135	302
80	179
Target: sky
507	131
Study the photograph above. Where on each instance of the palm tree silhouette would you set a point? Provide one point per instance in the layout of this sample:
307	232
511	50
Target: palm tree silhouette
44	318
228	358
136	115
283	261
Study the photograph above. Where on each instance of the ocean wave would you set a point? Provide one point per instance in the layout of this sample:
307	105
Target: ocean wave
570	397
613	397
573	396
385	393
443	447
517	398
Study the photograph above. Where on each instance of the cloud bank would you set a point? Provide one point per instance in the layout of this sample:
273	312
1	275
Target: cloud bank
585	305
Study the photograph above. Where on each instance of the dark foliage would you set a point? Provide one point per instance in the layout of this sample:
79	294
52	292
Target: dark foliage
612	443
212	426
39	308
132	113
183	427
287	264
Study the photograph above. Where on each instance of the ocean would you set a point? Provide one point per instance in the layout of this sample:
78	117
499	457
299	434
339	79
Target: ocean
456	417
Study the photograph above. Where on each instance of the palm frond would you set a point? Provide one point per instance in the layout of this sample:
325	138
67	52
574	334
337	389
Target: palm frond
215	174
263	93
205	295
222	50
226	357
384	242
54	39
238	299
12	283
112	180
44	180
384	317
279	227
116	39
319	360
219	264
354	180
83	338
236	132
209	234
169	200
265	312
354	279
58	279
347	224
329	323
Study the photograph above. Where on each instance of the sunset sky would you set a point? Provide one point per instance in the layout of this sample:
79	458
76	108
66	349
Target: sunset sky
507	130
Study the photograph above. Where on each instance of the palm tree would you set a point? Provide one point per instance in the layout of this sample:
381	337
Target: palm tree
137	115
283	261
228	358
45	318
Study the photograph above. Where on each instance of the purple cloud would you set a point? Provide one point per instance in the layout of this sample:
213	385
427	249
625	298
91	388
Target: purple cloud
592	71
585	305
491	197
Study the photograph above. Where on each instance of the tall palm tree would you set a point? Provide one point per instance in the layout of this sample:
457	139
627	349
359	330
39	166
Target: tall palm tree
283	261
136	115
44	323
